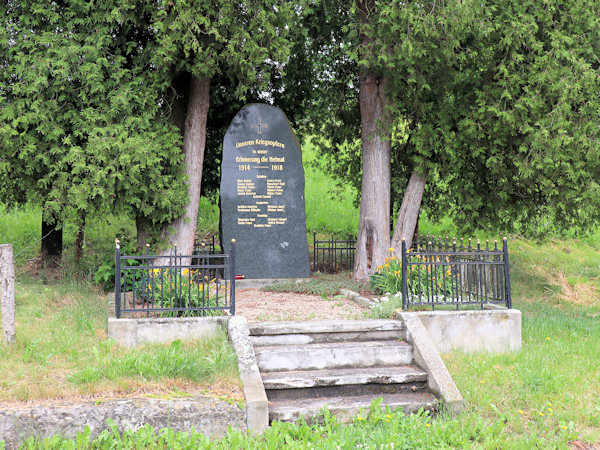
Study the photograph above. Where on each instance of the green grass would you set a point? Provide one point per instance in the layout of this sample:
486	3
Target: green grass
319	284
327	208
21	228
199	362
61	350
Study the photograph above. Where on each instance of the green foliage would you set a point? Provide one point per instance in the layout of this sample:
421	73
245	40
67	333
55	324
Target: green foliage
388	277
80	129
505	123
175	288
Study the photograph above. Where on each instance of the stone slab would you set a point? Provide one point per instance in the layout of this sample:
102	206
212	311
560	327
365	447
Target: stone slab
496	331
325	326
356	297
262	195
257	407
439	380
333	355
344	376
309	338
345	408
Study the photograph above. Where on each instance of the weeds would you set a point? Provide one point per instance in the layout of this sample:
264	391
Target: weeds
377	428
319	284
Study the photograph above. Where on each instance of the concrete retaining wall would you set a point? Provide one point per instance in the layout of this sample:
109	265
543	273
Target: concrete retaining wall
473	331
134	332
207	415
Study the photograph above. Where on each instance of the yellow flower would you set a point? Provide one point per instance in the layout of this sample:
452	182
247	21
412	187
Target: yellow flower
520	411
397	272
541	413
550	409
386	265
547	338
549	404
563	427
391	249
379	267
427	425
482	382
388	416
185	272
156	270
360	418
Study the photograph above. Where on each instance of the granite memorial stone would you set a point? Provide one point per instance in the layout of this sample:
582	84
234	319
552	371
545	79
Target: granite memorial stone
262	195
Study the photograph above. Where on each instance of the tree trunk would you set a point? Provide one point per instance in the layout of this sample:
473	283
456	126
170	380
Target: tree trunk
142	227
409	211
182	231
374	222
51	242
7	293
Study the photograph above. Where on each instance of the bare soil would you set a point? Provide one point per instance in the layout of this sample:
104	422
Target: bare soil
260	306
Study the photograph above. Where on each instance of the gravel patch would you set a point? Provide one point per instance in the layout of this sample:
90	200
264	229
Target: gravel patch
260	306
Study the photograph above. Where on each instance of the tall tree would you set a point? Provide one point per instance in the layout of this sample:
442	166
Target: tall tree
80	125
493	100
203	39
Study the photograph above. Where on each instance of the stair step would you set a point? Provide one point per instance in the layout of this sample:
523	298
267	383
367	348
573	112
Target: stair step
310	338
346	407
333	355
344	376
325	326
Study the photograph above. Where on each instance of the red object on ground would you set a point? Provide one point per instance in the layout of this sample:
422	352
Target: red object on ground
239	277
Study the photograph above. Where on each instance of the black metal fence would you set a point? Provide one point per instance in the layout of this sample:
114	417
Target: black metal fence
333	255
205	246
451	274
175	285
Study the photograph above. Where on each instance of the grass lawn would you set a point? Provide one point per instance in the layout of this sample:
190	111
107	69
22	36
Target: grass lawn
61	350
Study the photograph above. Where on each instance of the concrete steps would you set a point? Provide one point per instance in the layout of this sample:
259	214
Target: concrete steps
342	364
346	407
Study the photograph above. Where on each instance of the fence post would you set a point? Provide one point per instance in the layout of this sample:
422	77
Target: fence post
314	250
7	284
118	279
506	274
404	272
232	277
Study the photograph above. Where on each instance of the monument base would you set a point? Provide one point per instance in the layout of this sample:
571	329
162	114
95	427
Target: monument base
257	283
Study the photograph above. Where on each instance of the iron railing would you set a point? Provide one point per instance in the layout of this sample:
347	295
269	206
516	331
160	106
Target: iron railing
333	255
205	246
443	273
175	285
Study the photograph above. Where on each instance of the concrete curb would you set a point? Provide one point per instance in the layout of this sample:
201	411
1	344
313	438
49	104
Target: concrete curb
439	380
134	332
257	405
354	296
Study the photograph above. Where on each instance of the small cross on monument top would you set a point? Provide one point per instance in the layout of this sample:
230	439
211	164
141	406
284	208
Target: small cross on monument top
259	126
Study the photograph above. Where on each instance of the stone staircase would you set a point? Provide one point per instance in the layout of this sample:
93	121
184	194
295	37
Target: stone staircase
342	364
